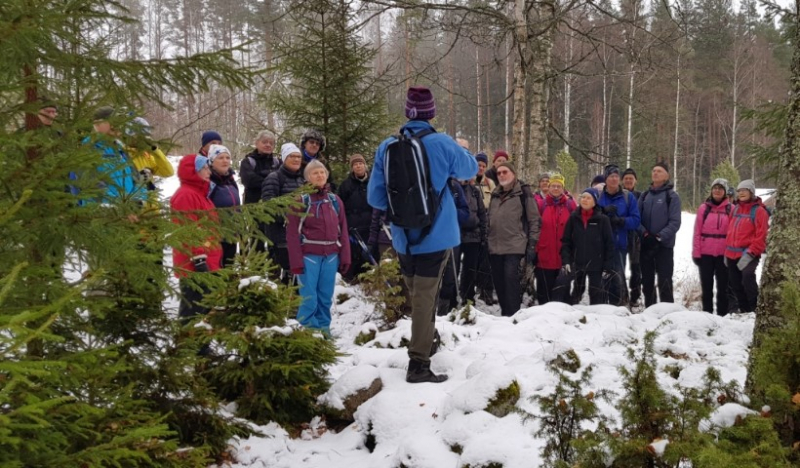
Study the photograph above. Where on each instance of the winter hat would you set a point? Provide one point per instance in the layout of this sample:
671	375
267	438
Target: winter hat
542	176
357	158
610	169
721	182
662	165
313	164
313	134
289	148
507	165
631	172
200	162
215	151
731	192
557	178
140	126
45	102
482	157
748	184
209	136
103	113
591	192
500	154
598	179
420	104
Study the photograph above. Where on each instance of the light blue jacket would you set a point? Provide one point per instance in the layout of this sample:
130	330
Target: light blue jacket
118	168
447	159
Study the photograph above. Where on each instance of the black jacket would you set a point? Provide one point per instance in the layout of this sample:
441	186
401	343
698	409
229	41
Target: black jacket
588	248
279	183
353	193
253	176
474	230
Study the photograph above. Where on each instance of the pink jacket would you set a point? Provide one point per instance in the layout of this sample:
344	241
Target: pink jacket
324	231
709	234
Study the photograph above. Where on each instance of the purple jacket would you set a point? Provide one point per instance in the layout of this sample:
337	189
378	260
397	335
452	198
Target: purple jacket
324	231
709	235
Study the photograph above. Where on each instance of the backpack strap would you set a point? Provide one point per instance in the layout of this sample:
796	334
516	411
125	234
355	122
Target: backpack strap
306	199
252	161
526	193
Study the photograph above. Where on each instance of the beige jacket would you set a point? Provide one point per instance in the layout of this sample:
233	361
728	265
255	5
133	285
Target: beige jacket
507	234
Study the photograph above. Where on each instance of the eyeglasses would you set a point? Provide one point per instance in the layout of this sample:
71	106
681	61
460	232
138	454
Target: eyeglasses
313	142
503	172
294	156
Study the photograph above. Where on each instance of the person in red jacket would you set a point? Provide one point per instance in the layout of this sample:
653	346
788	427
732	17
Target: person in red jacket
319	244
191	199
708	248
555	209
745	242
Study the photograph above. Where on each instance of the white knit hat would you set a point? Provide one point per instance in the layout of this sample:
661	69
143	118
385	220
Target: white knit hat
289	148
748	184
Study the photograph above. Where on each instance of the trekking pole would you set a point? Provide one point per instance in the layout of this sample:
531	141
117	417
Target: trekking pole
455	274
354	235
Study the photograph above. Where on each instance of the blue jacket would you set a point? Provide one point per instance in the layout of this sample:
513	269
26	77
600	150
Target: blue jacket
447	159
462	205
224	190
121	178
627	209
660	216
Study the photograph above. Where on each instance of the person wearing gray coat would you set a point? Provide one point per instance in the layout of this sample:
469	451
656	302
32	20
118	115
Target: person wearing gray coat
660	207
514	225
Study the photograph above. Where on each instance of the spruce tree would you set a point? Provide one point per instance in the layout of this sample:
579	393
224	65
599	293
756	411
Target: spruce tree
329	81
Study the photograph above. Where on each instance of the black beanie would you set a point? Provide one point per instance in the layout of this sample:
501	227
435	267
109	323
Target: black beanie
662	165
631	172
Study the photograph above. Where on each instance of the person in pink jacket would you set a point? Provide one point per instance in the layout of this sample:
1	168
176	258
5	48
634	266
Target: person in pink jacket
708	247
319	244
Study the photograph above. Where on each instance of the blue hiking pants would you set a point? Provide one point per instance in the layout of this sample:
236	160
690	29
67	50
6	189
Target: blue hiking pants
316	289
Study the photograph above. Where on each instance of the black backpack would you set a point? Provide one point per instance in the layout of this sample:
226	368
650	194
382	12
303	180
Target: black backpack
412	200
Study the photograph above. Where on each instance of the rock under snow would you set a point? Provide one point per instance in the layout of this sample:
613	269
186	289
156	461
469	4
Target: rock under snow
351	390
725	416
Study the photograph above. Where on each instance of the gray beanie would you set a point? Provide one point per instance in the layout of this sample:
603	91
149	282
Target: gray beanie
748	184
313	164
721	182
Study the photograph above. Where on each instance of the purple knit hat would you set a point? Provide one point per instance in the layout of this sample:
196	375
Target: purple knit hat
420	104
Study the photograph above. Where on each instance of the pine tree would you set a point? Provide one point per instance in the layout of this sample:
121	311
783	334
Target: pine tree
91	374
329	82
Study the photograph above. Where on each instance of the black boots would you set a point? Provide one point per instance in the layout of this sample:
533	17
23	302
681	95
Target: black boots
419	372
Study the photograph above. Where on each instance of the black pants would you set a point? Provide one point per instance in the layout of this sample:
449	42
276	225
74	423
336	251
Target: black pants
190	302
470	261
505	273
228	254
635	282
714	268
359	264
615	286
280	257
744	284
597	294
484	280
545	284
657	260
448	295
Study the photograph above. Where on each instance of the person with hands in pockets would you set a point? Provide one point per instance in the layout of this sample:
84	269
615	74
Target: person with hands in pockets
319	246
745	242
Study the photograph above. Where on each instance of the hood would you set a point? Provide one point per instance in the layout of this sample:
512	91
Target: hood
562	200
663	188
188	176
748	205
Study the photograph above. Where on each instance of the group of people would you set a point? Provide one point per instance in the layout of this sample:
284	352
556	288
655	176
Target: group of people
488	227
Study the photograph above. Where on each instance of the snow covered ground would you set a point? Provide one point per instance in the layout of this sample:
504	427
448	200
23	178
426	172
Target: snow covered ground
417	425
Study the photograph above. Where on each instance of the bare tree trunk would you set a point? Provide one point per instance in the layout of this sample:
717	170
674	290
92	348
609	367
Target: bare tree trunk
780	267
521	61
677	125
735	122
509	86
478	94
451	106
532	161
567	91
628	140
694	169
488	140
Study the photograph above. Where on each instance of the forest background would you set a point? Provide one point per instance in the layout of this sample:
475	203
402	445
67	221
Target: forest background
628	82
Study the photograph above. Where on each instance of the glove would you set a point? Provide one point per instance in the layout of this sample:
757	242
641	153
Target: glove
200	264
566	270
744	261
530	255
343	267
617	222
649	242
696	260
298	271
610	210
606	275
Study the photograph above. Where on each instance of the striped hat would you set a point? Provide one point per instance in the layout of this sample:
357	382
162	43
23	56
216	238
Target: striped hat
420	104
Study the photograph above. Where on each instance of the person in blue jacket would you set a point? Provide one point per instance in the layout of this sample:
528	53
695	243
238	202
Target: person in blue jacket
224	193
622	210
660	207
448	295
422	261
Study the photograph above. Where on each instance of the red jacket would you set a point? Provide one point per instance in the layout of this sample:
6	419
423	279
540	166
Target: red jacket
555	214
192	196
324	231
744	236
710	230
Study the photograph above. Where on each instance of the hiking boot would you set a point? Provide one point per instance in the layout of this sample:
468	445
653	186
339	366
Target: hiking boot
419	372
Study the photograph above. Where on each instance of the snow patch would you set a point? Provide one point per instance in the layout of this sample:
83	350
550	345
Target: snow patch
354	380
